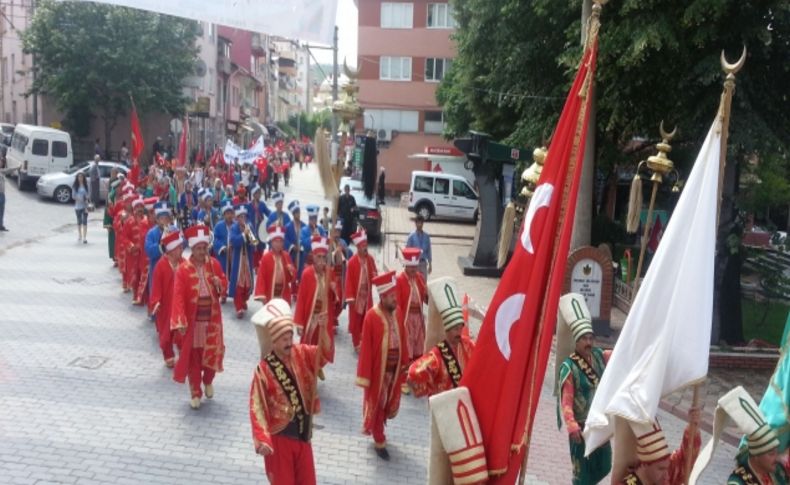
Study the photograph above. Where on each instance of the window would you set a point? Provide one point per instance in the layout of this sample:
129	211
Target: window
397	15
211	82
40	147
392	119
462	189
19	142
235	94
440	16
395	68
442	186
423	184
60	149
211	28
13	69
5	70
434	122
104	170
435	69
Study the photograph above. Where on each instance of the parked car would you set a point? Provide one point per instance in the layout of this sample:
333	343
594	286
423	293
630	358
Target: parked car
442	195
370	215
37	151
58	185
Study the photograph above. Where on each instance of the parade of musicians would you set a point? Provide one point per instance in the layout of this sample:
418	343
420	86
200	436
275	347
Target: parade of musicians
395	242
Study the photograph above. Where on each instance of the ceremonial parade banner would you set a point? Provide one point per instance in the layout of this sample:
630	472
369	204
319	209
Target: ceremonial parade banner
505	373
665	342
308	20
233	151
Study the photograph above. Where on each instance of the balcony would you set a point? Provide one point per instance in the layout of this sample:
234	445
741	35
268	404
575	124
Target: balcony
258	45
224	65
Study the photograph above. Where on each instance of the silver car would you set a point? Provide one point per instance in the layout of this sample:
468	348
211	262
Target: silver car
58	185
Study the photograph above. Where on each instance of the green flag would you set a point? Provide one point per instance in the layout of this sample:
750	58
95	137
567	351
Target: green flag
776	400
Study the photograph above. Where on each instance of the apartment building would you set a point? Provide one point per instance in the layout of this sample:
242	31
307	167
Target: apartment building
227	88
404	49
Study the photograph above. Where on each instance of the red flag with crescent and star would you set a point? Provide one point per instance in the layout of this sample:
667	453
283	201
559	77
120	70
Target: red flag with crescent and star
505	373
137	135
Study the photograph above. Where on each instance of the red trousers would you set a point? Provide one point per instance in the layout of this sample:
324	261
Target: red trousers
165	336
132	274
355	325
256	257
197	373
240	299
291	463
379	420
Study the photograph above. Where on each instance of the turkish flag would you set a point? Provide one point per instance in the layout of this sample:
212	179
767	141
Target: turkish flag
505	373
137	134
134	173
182	145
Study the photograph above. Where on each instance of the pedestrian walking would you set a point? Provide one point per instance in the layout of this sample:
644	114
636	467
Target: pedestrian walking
285	379
382	189
97	148
125	154
80	195
579	374
3	171
383	360
95	177
412	295
360	272
196	315
162	290
421	240
347	211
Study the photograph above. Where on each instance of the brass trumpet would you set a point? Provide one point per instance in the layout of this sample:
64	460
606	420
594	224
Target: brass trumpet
249	236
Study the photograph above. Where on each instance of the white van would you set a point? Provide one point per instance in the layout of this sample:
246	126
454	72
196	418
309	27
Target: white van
442	195
38	150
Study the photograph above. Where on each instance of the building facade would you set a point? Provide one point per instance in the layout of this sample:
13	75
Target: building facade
404	50
228	89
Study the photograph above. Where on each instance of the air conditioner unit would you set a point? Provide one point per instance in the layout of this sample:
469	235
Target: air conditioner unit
384	135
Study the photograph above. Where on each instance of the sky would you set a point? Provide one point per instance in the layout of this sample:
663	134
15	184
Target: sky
347	35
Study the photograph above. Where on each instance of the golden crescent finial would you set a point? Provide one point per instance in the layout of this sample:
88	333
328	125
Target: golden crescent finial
733	68
667	136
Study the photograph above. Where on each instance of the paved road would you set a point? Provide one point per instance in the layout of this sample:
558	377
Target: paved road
84	397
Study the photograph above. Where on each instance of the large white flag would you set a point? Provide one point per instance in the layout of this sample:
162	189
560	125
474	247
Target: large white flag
666	338
309	20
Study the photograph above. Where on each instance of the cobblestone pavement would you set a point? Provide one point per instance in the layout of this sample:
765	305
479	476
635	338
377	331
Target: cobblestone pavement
85	398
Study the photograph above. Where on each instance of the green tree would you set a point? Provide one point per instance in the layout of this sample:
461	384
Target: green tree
658	60
90	58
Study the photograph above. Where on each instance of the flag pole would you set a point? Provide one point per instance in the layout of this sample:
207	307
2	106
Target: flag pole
660	166
593	26
725	105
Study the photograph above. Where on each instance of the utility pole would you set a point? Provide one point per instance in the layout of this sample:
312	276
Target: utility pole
335	75
33	67
582	226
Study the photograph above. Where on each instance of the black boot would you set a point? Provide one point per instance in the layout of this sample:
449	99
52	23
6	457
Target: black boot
383	454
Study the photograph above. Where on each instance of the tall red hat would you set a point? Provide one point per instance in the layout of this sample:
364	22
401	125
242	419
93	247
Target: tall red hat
172	240
411	256
360	239
197	234
319	245
275	232
384	283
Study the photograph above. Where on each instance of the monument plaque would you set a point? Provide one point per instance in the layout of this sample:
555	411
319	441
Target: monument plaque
590	273
587	280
